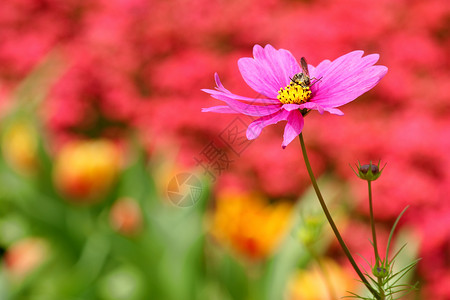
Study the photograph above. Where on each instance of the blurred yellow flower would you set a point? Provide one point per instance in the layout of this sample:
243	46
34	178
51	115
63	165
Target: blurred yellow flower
314	284
125	216
86	170
249	224
19	145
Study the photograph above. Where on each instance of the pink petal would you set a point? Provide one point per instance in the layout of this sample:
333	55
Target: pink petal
345	79
269	70
293	127
223	109
215	94
352	89
334	111
312	105
221	90
255	128
290	107
219	84
332	73
320	109
248	109
320	69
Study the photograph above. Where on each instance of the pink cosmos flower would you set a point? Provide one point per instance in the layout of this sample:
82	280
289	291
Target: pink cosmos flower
272	73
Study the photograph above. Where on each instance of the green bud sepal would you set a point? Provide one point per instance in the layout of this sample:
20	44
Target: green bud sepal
369	172
380	271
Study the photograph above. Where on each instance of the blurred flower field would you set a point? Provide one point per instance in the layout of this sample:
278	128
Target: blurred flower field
109	189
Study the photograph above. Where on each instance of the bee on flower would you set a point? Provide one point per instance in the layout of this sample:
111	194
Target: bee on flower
289	91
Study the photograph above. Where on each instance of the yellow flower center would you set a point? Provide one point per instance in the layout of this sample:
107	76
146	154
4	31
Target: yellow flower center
294	94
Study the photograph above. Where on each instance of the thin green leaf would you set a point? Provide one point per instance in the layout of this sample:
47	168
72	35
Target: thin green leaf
393	229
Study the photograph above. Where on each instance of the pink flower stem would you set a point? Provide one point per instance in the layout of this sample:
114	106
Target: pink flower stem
331	222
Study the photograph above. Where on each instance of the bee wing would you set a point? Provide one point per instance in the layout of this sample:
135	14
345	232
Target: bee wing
304	66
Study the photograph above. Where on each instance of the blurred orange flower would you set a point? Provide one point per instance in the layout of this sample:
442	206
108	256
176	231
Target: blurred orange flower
24	256
249	224
19	145
125	216
86	170
314	284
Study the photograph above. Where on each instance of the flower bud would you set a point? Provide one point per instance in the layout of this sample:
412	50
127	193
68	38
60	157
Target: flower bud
20	145
315	283
249	224
310	230
24	256
369	172
125	216
86	170
380	272
306	236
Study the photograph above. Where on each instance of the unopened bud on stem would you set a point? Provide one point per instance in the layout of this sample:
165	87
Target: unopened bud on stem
369	172
380	272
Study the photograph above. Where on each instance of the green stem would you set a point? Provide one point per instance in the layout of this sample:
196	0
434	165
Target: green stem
380	285
375	244
372	224
331	222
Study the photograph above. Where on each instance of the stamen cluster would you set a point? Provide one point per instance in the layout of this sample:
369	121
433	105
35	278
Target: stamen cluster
294	94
